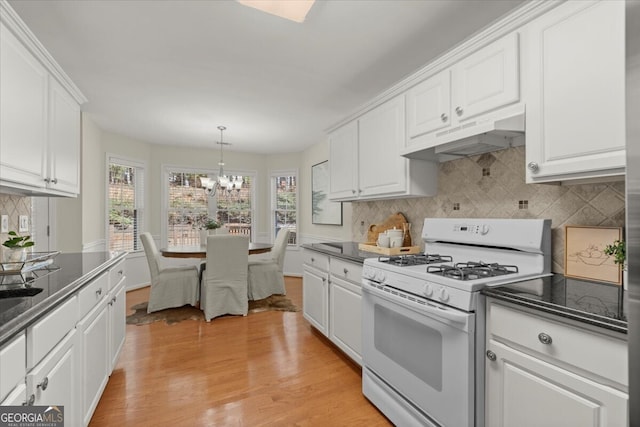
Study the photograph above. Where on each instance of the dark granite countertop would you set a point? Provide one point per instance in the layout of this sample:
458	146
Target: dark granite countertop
598	304
68	273
345	250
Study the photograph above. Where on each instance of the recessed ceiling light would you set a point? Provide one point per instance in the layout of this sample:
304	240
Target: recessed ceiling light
294	10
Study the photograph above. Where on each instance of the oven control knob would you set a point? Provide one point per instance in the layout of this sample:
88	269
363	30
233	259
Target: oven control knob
484	229
428	290
443	294
380	276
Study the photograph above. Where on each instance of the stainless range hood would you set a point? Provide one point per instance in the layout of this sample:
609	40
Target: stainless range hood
491	132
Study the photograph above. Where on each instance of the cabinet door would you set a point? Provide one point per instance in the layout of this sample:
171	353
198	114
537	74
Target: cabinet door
381	132
315	298
64	140
526	392
429	105
17	397
486	80
117	320
95	358
343	162
575	72
23	109
55	380
345	308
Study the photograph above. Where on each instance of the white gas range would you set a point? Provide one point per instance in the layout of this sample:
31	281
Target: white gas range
420	332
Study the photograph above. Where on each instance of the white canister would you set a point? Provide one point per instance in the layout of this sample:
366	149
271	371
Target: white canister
383	240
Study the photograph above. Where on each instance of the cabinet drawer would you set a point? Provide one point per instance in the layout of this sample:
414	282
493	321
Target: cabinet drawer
116	273
599	354
12	364
93	293
346	270
316	259
48	331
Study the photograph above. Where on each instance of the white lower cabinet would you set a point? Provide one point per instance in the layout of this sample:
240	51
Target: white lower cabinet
117	319
17	397
55	380
12	366
332	300
542	371
95	358
315	298
345	323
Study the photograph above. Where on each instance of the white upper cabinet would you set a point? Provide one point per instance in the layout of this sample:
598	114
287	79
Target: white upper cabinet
575	72
365	161
479	83
39	115
343	162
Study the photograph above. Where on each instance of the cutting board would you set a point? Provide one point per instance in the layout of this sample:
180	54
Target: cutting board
396	220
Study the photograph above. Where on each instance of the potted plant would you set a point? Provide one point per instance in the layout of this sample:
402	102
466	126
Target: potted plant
619	253
16	248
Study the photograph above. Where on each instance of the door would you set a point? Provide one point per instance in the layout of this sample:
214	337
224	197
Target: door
423	350
381	133
95	358
524	391
345	324
315	298
64	140
429	105
55	380
486	80
23	113
343	162
575	72
117	319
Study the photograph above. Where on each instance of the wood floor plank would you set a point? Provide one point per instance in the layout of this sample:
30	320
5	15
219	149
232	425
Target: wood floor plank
269	368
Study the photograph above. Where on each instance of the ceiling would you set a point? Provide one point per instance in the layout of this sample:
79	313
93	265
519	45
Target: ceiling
170	72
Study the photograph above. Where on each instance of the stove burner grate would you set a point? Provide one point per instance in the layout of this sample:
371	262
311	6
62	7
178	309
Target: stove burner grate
472	270
415	259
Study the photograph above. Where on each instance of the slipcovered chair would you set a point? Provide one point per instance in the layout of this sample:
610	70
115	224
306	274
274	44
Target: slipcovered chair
265	270
170	286
224	280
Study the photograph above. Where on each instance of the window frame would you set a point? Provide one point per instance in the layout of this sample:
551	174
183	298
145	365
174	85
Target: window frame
141	194
274	204
164	196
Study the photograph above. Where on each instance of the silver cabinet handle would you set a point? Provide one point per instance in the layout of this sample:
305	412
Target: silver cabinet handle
31	401
459	111
47	180
313	259
443	117
353	191
44	384
533	166
54	181
544	338
491	355
120	272
345	271
99	292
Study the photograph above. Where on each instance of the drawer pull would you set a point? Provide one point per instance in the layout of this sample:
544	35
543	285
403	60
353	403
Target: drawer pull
345	271
44	384
31	401
99	292
544	338
313	259
491	355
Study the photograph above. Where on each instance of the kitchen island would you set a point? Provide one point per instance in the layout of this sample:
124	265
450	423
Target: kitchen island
60	343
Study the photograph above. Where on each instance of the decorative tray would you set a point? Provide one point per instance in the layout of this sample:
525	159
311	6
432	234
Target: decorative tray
404	250
34	261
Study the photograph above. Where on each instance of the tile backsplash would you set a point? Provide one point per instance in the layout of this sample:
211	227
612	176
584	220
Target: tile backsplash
14	206
492	185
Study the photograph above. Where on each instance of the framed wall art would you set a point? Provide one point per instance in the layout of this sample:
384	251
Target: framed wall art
323	211
584	255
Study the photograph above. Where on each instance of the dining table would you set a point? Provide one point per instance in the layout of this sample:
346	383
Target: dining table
198	251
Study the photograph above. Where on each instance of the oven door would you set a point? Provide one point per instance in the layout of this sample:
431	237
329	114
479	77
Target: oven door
422	350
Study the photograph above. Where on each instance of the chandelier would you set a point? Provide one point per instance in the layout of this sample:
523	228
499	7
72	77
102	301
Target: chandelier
222	182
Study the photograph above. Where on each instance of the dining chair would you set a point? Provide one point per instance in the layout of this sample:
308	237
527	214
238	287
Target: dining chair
266	275
170	286
224	280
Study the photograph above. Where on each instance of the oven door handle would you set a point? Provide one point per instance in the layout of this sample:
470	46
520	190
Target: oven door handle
428	307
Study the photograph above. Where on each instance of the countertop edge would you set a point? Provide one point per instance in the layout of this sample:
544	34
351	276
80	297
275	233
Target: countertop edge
578	315
358	259
23	321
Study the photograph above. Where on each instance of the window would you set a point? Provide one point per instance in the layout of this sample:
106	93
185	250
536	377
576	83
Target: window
125	201
189	206
285	203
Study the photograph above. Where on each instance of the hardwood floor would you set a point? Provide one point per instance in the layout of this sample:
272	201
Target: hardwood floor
268	368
